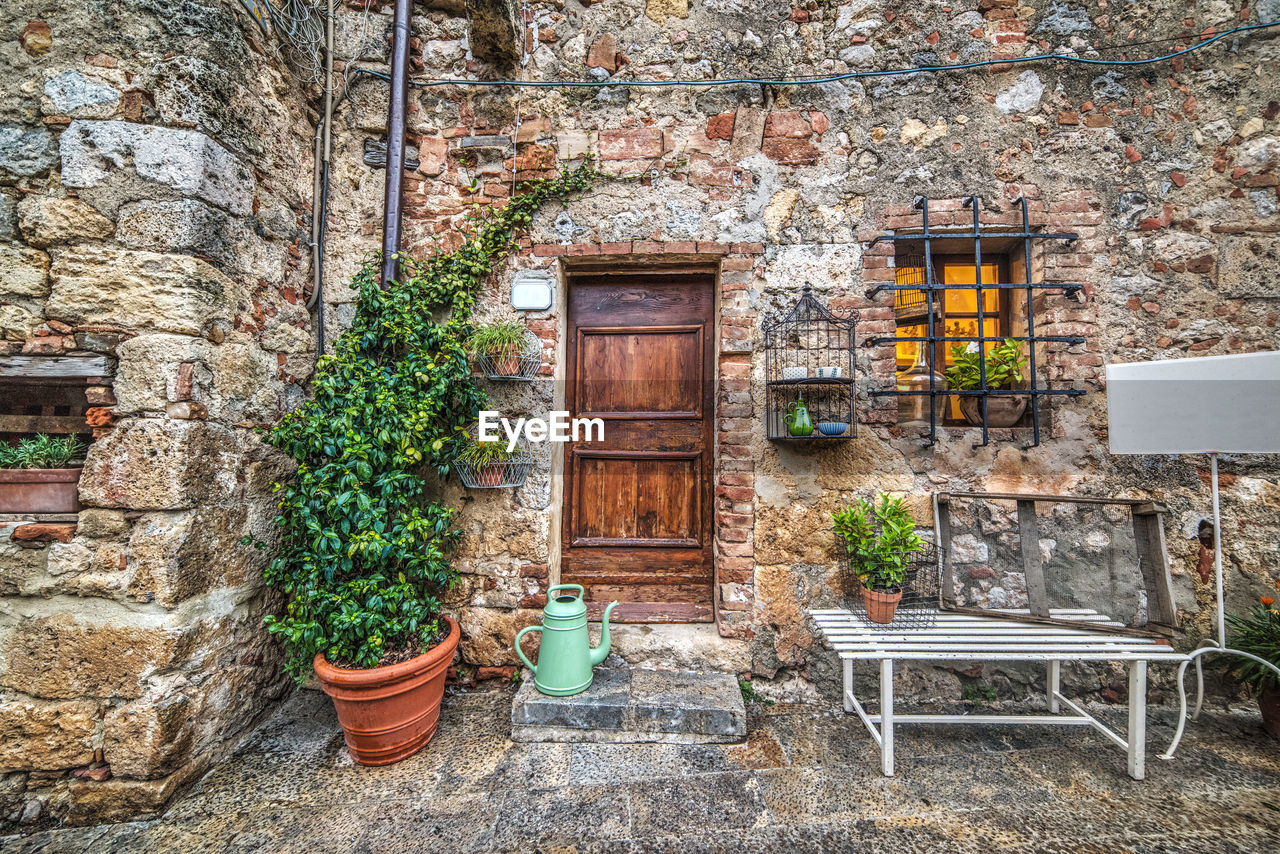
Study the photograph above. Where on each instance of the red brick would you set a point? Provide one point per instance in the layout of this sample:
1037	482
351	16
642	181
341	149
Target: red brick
790	152
1178	179
579	249
43	532
1068	117
686	247
616	248
604	53
787	123
721	126
634	144
549	250
819	122
1132	154
508	673
748	248
706	247
800	16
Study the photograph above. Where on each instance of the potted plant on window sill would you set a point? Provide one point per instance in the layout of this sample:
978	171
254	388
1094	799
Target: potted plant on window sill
41	475
1004	364
1259	634
498	348
881	542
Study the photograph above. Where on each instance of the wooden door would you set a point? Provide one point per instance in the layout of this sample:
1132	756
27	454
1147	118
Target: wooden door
637	505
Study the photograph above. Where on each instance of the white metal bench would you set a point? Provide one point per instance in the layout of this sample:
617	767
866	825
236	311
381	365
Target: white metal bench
972	637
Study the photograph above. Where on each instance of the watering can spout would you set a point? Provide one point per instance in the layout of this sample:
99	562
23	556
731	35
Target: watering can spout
600	652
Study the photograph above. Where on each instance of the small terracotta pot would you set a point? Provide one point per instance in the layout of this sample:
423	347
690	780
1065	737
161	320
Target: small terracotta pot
505	364
1001	411
881	606
490	475
1269	704
389	713
40	490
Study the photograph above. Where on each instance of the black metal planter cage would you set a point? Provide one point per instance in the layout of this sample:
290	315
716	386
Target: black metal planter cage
911	290
809	367
918	608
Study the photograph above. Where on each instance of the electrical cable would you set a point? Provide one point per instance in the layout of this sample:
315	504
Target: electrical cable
835	78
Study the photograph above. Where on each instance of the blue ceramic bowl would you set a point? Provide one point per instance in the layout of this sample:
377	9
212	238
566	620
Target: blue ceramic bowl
832	428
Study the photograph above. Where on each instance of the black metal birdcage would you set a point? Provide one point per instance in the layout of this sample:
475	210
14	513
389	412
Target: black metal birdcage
809	372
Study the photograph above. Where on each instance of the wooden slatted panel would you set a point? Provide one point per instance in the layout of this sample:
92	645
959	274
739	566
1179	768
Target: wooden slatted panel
42	407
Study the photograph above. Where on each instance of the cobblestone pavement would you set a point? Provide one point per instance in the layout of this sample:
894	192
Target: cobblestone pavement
807	779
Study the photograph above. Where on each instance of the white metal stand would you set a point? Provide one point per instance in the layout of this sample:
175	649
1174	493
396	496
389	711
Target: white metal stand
1209	646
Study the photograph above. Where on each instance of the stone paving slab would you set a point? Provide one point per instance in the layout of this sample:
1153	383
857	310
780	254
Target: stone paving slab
806	779
635	706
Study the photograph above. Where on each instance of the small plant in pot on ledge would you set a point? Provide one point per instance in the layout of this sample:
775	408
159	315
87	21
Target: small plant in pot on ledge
486	461
41	474
881	542
1258	634
498	347
1004	365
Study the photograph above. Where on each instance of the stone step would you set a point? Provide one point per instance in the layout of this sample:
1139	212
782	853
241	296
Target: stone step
628	706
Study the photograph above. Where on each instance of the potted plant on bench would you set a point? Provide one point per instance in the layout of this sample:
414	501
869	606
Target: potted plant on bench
881	544
41	475
1259	634
1004	364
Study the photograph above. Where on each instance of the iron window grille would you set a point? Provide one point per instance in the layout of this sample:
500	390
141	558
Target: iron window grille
908	293
809	358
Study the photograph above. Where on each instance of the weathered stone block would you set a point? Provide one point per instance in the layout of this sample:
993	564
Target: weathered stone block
25	151
24	274
61	658
154	464
181	554
17	323
184	163
46	220
235	382
487	635
138	290
183	224
150	737
73	94
122	798
46	736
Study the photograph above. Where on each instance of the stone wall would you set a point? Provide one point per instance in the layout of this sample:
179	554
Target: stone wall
1167	172
155	177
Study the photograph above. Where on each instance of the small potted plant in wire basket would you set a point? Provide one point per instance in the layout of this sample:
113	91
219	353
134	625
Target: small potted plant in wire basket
890	574
489	465
506	350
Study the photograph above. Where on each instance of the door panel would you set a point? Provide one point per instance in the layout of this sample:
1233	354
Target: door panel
637	504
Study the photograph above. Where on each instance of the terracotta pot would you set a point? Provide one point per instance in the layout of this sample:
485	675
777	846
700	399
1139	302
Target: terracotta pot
881	605
490	475
40	490
389	713
1269	704
505	364
1001	411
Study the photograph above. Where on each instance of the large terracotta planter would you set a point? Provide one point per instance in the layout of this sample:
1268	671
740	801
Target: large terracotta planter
389	713
881	606
1269	703
1001	411
40	490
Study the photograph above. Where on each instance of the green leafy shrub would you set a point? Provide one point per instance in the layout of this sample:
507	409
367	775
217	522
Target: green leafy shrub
1258	633
498	339
42	452
1004	366
880	538
364	551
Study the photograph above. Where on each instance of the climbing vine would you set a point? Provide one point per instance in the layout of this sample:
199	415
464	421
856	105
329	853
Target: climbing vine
364	554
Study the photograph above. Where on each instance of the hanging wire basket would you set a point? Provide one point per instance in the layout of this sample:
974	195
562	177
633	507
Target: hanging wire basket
918	607
521	365
505	470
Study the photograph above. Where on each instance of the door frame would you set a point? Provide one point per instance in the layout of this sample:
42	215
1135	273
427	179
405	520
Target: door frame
571	269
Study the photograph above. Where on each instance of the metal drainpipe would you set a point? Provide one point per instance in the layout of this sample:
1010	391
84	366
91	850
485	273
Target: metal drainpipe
395	140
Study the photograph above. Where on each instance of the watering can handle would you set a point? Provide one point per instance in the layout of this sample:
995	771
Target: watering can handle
553	588
520	652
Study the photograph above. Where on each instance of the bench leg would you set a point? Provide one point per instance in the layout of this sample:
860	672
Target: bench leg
886	716
1138	720
848	684
1053	684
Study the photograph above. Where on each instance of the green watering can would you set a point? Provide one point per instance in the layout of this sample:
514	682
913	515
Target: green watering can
565	658
797	420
